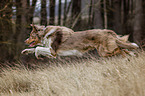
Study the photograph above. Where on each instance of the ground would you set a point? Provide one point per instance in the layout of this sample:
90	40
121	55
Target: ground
114	76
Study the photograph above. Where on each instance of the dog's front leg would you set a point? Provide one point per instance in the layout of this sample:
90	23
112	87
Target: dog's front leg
27	51
45	51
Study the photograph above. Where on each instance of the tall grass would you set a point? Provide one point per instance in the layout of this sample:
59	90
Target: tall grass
114	76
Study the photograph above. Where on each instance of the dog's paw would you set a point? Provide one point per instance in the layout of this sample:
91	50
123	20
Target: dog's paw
25	52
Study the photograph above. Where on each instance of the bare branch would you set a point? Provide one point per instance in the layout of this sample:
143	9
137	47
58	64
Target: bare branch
4	7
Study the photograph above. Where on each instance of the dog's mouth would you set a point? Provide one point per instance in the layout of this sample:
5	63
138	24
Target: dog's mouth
32	44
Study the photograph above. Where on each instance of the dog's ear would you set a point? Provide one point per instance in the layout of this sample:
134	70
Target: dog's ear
34	27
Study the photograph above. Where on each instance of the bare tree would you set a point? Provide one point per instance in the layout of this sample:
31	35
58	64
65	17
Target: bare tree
52	12
24	17
23	21
76	12
90	13
6	30
27	12
67	9
64	12
97	17
105	15
30	10
43	13
138	21
117	26
18	26
59	13
110	11
127	8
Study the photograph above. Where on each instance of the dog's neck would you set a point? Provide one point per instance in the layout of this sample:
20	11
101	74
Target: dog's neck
42	33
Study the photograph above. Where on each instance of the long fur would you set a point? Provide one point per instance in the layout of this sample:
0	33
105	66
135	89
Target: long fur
64	40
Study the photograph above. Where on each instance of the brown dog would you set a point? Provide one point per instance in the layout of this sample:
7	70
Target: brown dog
62	41
44	36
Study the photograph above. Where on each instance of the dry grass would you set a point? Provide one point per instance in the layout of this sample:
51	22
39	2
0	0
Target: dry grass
115	76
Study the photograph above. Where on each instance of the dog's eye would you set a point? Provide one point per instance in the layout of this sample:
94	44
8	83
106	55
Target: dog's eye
33	35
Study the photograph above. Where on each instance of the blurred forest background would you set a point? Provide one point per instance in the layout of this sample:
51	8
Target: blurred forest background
122	16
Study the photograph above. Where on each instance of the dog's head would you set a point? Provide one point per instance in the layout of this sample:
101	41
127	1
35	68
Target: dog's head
35	35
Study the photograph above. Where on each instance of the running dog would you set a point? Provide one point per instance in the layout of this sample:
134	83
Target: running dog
62	41
42	37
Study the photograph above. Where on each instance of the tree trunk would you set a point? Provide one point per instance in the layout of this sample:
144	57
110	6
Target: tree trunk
105	15
52	12
144	19
21	27
43	13
90	14
76	13
64	12
117	26
23	31
126	26
59	13
30	11
18	26
110	13
138	21
6	30
98	21
67	13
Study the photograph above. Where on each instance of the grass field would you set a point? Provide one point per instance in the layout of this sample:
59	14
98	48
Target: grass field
114	76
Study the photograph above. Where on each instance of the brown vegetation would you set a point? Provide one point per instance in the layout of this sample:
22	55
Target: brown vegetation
114	76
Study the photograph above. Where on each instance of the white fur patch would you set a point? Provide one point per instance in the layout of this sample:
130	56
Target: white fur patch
47	42
134	44
50	32
43	51
70	53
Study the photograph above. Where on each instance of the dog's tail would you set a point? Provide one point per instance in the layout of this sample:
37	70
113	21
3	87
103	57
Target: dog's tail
126	45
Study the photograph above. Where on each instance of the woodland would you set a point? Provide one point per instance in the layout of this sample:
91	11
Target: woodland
122	16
